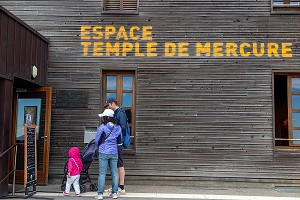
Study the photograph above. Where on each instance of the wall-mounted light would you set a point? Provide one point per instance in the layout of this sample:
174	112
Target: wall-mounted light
34	72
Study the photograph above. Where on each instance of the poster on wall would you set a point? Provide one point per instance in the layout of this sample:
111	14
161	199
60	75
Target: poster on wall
32	111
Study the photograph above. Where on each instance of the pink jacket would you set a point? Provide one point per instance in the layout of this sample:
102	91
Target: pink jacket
74	163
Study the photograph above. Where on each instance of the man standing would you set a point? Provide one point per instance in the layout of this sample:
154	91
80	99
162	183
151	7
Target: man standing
120	117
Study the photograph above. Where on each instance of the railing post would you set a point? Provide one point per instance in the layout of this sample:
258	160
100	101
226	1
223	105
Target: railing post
15	168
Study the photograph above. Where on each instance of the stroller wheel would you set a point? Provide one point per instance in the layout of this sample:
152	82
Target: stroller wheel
63	187
82	189
93	187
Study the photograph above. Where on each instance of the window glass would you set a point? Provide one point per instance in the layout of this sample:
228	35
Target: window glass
281	2
296	119
111	95
295	2
277	2
295	101
127	83
285	6
127	99
295	84
296	135
30	106
111	83
129	116
121	85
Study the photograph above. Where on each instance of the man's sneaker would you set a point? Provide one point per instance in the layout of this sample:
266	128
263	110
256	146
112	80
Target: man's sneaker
77	195
65	193
99	196
114	195
120	191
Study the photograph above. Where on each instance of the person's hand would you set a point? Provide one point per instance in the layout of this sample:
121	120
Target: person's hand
68	175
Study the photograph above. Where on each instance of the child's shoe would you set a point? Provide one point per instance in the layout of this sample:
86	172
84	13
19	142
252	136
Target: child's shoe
65	193
77	195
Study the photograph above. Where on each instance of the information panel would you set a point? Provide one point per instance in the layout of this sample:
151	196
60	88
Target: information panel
71	99
89	134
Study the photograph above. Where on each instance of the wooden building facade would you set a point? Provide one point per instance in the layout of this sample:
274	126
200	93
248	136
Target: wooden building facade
211	88
23	72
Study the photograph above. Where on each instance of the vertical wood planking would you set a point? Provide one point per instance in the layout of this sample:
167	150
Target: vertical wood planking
3	43
18	48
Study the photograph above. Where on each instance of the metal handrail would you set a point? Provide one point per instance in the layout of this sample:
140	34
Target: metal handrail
7	150
15	162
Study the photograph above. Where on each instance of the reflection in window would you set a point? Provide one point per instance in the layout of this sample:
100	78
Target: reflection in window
111	95
296	135
127	99
111	83
295	84
127	83
295	101
296	119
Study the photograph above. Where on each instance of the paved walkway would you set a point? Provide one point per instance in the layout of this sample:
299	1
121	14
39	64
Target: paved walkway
174	196
182	190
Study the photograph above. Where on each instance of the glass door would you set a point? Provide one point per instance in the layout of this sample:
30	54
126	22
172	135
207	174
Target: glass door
37	103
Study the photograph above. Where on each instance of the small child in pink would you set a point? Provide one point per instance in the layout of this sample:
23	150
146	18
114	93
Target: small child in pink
74	169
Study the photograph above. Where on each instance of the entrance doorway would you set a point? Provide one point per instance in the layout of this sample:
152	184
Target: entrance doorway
37	103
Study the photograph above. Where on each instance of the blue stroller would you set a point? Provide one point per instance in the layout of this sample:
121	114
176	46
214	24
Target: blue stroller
88	155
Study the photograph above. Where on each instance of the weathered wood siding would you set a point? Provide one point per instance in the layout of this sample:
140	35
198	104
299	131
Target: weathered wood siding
6	88
199	118
21	48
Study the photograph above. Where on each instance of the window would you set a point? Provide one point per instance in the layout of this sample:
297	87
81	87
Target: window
286	6
287	110
120	6
121	85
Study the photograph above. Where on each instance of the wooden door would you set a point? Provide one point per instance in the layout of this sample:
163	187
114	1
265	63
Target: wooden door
36	102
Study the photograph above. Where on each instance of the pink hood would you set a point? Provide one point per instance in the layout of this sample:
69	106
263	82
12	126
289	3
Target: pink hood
74	152
74	163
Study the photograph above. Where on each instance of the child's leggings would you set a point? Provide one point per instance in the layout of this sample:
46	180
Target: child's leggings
75	181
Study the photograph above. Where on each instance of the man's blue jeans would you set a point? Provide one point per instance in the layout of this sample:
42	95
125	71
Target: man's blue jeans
104	161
